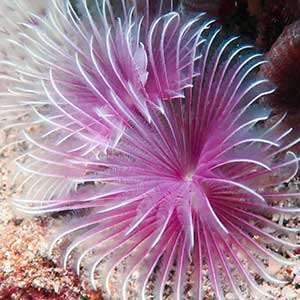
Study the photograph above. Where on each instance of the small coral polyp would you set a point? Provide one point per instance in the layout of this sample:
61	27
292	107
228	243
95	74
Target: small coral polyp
159	112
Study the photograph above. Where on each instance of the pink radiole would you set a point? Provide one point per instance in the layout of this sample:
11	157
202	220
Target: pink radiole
149	128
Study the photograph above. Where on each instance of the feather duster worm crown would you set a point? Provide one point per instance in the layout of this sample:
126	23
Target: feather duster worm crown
156	110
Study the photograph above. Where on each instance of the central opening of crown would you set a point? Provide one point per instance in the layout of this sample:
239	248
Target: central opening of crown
189	176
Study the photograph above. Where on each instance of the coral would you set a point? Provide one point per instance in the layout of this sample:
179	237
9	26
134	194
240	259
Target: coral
26	274
151	136
283	68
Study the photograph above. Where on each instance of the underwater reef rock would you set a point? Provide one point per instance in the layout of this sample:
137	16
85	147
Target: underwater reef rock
218	8
237	17
283	70
274	17
258	20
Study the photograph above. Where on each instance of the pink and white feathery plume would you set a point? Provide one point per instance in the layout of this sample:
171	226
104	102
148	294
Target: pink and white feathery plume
12	15
158	112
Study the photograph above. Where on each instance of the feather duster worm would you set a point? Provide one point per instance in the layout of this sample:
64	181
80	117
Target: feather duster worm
283	69
157	112
12	15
